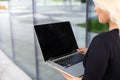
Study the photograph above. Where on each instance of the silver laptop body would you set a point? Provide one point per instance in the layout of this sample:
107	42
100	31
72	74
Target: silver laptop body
58	46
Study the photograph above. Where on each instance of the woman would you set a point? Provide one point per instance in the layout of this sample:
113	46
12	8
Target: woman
102	59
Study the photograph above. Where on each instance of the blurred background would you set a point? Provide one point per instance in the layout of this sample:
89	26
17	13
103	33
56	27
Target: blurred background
17	39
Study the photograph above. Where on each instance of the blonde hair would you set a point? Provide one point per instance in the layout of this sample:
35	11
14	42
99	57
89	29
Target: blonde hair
113	7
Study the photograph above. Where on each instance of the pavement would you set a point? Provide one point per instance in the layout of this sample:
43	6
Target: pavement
9	70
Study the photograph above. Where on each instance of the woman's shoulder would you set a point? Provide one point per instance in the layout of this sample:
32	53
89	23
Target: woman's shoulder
102	36
107	35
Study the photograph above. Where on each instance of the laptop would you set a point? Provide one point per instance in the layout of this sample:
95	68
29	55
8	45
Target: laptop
58	46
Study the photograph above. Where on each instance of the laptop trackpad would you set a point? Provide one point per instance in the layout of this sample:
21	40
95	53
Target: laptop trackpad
76	70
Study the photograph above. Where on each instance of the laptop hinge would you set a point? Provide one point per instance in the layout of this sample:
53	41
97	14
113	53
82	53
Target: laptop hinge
58	58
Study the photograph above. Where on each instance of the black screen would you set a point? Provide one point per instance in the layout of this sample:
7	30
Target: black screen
55	39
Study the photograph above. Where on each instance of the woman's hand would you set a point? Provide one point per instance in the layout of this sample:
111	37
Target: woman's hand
69	77
82	50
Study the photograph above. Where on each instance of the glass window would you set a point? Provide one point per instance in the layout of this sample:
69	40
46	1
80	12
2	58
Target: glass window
5	29
94	27
50	11
21	14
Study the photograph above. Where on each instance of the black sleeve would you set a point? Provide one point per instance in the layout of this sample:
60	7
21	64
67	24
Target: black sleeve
96	60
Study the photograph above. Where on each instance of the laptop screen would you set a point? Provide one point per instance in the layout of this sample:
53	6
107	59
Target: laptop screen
55	39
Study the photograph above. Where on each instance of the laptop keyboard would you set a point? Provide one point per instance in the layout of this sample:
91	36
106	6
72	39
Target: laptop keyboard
71	60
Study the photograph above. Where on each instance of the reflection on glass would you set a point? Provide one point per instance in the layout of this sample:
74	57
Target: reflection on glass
5	33
23	35
50	11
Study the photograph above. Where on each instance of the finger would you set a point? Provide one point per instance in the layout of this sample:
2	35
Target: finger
80	50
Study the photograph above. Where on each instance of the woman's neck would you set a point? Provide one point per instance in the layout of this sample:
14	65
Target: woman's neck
112	25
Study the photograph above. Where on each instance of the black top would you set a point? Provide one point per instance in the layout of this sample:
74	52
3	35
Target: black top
102	61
